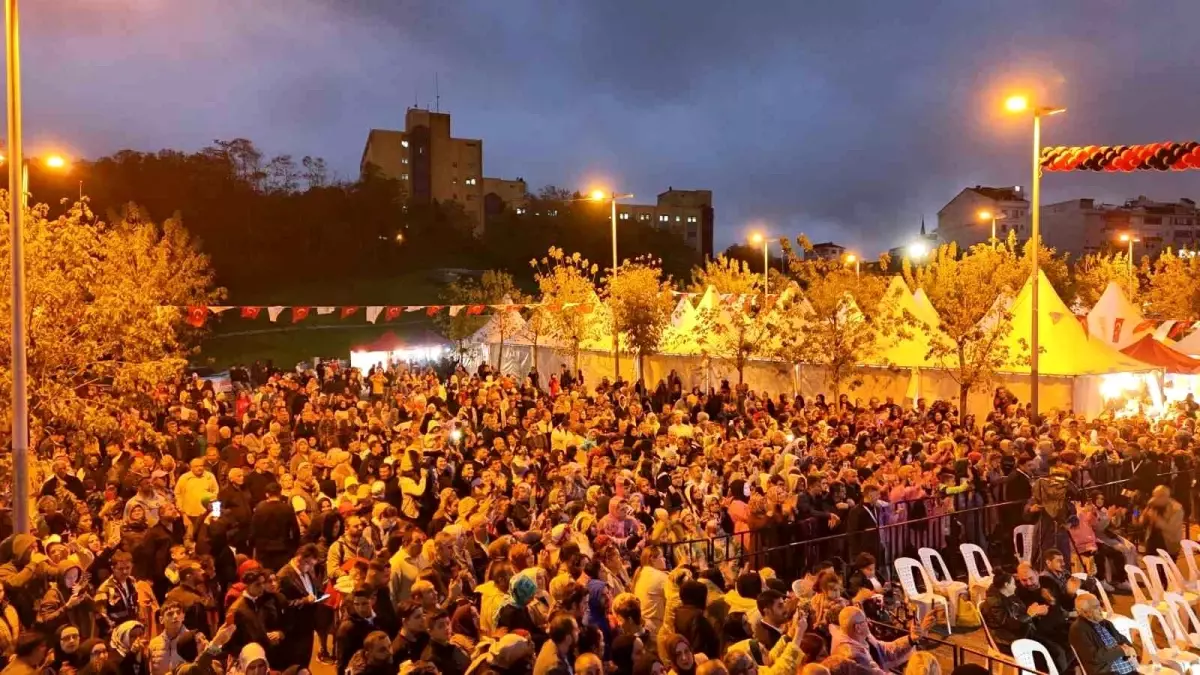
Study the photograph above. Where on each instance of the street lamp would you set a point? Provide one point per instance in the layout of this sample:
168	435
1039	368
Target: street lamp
1021	104
1131	240
852	259
57	162
918	250
758	238
612	197
986	216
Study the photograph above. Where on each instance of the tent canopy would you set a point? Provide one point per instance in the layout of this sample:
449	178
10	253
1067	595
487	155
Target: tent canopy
1157	354
390	342
1065	348
1114	318
924	308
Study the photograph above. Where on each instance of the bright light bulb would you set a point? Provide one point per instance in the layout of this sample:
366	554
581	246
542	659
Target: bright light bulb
1016	103
56	161
756	238
850	257
918	249
985	215
599	195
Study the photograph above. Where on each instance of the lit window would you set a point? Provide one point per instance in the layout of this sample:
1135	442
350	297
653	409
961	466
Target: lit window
403	176
644	216
404	143
520	210
404	161
470	181
624	216
664	219
678	219
553	212
692	219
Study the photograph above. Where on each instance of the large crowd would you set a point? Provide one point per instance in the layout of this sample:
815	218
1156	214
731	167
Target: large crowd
406	520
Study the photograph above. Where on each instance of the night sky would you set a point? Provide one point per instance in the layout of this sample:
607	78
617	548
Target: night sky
844	120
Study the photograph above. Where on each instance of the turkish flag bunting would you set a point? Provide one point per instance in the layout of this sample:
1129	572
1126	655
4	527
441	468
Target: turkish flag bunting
585	308
392	312
1143	326
250	312
1117	329
300	313
475	310
1178	329
348	312
554	307
433	309
197	315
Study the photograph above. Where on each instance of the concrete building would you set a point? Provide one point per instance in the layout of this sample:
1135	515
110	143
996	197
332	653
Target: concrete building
828	251
1082	226
432	165
688	213
500	194
959	220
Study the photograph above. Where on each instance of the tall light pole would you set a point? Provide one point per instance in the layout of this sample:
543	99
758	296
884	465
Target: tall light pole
1130	239
1018	104
612	197
989	215
852	259
16	201
758	238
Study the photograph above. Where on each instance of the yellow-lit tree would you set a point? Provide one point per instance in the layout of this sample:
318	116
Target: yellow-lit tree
733	335
1094	271
493	288
106	323
568	279
1173	286
640	300
965	290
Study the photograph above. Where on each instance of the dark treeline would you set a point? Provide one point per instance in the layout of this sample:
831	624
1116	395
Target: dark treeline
272	223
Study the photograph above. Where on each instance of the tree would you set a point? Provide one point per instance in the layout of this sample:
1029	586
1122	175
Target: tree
493	288
106	315
537	330
844	320
736	335
1094	271
1173	288
568	280
972	342
640	300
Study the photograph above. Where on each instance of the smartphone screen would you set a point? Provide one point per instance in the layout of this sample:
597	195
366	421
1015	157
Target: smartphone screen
216	509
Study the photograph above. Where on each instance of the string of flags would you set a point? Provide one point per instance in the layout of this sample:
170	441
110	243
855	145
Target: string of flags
197	315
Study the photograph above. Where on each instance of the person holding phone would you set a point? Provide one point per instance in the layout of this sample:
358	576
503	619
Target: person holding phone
299	584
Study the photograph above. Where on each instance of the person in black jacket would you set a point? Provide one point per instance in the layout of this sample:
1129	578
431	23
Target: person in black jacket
1102	650
863	524
274	532
236	507
1008	619
299	585
692	623
250	616
410	643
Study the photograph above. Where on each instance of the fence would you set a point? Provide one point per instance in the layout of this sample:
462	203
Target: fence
791	548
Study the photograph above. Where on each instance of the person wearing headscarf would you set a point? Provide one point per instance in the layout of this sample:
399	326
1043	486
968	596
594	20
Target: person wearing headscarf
251	661
464	628
599	604
95	657
129	646
67	650
515	614
692	623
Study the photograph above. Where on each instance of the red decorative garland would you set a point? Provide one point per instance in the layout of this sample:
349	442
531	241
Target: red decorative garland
1167	156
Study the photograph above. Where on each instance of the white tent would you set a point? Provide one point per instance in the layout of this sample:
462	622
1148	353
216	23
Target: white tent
1114	318
924	308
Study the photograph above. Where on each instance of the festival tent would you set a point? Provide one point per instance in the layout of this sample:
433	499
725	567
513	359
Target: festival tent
1151	351
1189	344
911	351
924	308
684	311
1114	318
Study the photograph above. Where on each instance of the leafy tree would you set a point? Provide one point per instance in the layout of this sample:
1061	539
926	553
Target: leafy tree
640	300
845	319
1173	288
1094	271
493	288
734	336
106	318
568	279
971	342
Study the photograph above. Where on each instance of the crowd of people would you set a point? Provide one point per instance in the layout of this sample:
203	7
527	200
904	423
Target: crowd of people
404	520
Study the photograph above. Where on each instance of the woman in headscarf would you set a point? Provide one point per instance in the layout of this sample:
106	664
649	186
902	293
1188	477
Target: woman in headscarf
66	648
129	643
598	607
252	661
95	656
464	628
516	614
680	656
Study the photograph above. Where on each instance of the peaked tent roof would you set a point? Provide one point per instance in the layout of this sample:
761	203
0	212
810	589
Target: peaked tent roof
1103	319
1157	354
1065	348
910	352
390	342
1190	344
925	309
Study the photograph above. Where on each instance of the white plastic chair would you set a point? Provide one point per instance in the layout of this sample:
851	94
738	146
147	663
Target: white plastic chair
906	568
1023	542
943	583
976	580
1104	601
1190	550
1127	627
1170	656
1023	651
1005	661
1144	590
1184	617
1180	583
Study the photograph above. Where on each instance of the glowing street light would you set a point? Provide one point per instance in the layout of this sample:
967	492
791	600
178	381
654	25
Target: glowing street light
56	161
1131	240
985	216
612	197
918	250
758	238
1021	104
852	259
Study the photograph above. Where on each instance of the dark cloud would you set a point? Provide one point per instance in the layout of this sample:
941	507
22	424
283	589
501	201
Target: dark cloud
845	120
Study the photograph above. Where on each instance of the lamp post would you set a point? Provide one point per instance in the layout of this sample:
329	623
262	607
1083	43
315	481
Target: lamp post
759	238
1019	104
1130	239
989	215
612	197
918	250
852	259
